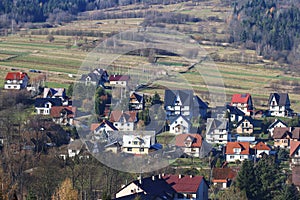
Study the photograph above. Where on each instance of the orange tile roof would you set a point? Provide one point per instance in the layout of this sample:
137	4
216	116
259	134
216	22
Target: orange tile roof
294	146
240	98
56	111
244	146
186	184
262	146
196	140
15	75
94	126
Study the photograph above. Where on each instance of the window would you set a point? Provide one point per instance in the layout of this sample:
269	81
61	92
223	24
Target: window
231	157
135	142
129	149
129	142
181	122
128	124
141	149
116	124
175	122
221	136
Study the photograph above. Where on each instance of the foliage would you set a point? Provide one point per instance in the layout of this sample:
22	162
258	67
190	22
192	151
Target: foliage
289	192
232	193
65	191
283	154
101	99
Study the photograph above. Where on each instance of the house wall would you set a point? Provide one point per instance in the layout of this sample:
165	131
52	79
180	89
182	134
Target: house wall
258	152
192	151
245	127
218	138
129	126
43	111
132	188
296	157
73	152
118	83
135	150
283	143
234	157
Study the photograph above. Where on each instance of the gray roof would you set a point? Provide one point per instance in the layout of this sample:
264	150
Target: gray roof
246	118
276	122
173	118
214	123
199	103
186	97
282	99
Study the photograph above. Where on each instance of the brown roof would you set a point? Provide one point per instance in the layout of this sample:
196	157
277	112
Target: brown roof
296	175
94	126
296	133
57	110
262	146
223	174
294	146
244	146
186	184
119	78
281	132
128	116
181	139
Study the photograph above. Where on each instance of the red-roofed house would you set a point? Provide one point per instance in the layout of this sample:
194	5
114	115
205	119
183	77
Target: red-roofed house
237	151
223	176
119	80
190	143
188	187
124	121
295	152
63	115
16	80
243	102
261	148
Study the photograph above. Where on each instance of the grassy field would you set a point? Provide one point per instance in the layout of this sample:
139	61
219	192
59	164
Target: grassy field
241	70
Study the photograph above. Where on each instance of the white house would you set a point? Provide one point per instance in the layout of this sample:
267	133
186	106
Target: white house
43	105
217	131
119	80
16	80
243	102
237	151
276	123
124	121
74	148
138	142
261	148
279	105
179	124
136	101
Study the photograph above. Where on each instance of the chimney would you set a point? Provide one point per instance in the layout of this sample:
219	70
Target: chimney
179	176
159	176
191	176
163	174
140	179
290	129
153	178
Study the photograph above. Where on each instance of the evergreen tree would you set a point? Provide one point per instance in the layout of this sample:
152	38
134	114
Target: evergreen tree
289	192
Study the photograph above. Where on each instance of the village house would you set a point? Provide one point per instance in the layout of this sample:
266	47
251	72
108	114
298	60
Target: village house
279	105
245	126
56	93
190	144
282	137
261	148
16	80
217	131
124	121
223	177
276	123
295	152
243	102
43	105
238	151
63	115
114	147
119	80
184	102
138	142
179	124
154	187
105	126
188	187
97	77
136	101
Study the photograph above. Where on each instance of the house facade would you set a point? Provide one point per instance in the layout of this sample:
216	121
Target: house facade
234	114
179	124
190	143
282	137
16	80
223	177
136	101
261	148
276	123
217	131
243	102
245	126
237	151
97	77
138	143
43	105
279	105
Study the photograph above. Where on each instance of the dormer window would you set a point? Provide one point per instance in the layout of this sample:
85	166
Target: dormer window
237	150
